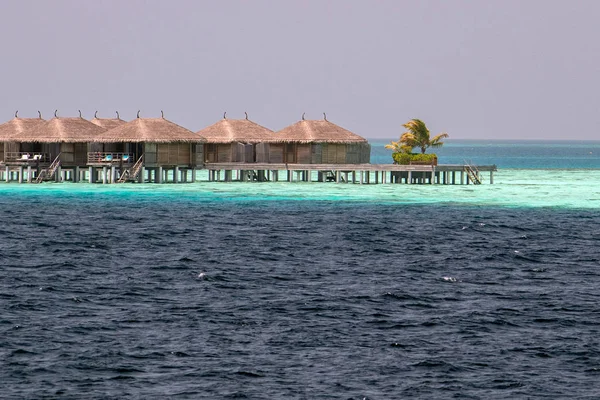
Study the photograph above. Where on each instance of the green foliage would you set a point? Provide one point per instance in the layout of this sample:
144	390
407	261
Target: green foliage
417	135
411	158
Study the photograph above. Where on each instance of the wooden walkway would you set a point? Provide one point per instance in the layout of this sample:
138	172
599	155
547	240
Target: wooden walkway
343	167
260	172
354	173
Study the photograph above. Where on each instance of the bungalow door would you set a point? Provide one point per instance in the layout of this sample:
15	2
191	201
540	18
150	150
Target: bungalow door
289	153
210	152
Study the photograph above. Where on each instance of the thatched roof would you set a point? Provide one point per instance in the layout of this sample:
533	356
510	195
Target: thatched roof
17	126
61	130
317	131
107	123
148	130
236	130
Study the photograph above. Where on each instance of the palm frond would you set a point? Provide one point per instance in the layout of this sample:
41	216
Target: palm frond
437	140
440	137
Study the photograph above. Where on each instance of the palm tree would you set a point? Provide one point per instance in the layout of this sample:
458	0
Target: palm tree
398	147
417	135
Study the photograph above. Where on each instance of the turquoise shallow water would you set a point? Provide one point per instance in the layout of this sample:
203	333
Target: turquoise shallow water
530	174
511	188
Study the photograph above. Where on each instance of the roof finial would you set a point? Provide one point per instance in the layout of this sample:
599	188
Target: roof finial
325	116
246	114
225	115
55	113
162	114
39	114
117	115
17	114
80	114
96	114
303	116
138	114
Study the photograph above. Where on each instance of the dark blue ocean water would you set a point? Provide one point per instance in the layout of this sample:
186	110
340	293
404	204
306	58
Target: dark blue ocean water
152	297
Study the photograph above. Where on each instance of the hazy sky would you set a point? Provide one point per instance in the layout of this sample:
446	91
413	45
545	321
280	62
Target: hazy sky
504	69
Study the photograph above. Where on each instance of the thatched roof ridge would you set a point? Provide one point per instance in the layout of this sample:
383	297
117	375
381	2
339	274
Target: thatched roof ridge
108	123
61	130
317	131
236	130
148	130
17	126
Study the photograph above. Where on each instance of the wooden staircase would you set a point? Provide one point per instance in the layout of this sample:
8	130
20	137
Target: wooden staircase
472	173
330	176
132	174
47	173
258	176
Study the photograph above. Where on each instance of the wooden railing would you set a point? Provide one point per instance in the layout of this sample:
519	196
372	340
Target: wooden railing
26	157
432	162
109	158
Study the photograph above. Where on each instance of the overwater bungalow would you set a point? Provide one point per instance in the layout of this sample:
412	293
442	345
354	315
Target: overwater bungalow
64	137
155	145
47	147
10	151
234	140
317	142
108	124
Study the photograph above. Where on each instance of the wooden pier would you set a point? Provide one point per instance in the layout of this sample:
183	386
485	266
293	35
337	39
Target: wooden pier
351	173
114	170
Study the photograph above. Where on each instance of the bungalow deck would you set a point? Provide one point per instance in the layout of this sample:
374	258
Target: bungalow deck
115	171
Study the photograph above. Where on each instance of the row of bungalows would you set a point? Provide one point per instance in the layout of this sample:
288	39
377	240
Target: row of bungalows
305	142
79	146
